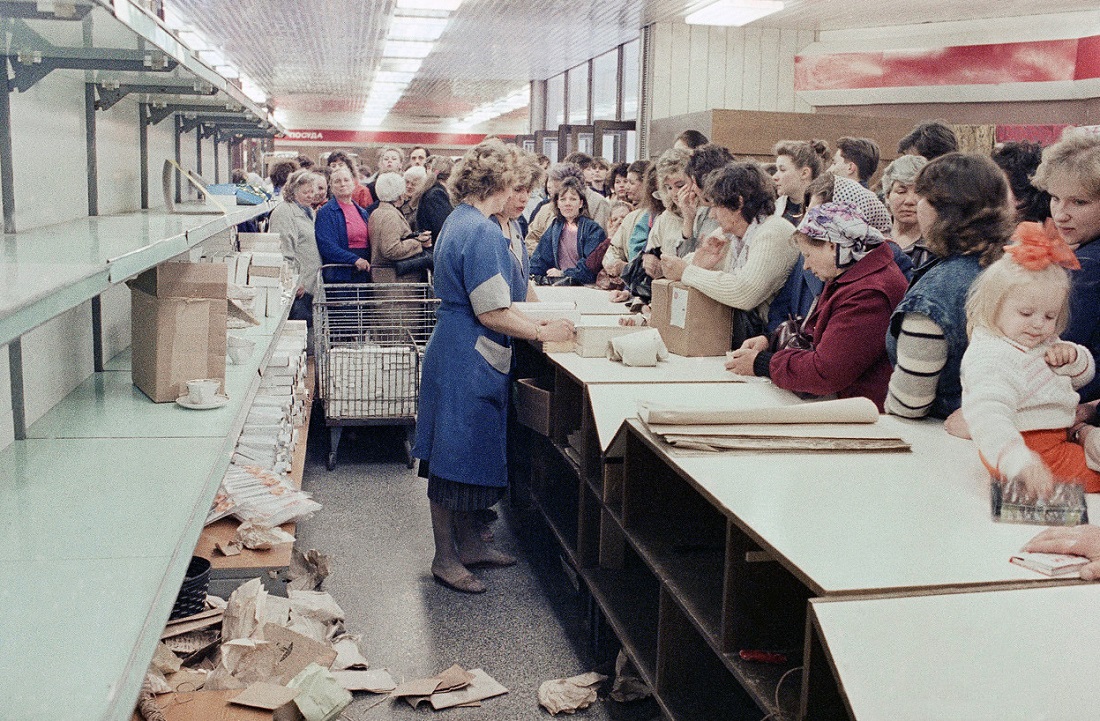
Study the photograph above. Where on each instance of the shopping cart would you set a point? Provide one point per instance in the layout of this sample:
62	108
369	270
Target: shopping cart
369	339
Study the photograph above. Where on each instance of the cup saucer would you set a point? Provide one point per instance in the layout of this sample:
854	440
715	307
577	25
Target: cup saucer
218	402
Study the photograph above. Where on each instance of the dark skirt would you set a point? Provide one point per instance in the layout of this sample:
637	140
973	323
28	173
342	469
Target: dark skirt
462	497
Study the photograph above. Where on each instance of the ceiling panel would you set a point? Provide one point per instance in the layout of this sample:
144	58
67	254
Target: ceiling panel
316	58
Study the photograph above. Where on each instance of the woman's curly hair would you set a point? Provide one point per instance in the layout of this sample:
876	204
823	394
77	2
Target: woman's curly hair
484	170
970	195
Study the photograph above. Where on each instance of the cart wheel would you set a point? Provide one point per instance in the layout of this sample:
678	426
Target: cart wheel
331	461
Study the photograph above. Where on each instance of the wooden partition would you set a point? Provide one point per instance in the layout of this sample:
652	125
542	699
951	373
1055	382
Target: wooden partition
753	133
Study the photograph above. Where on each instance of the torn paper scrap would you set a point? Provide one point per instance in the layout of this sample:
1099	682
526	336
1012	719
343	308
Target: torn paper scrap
321	697
453	679
316	604
567	695
186	680
244	611
416	687
374	681
628	685
164	660
348	654
268	696
258	537
295	652
229	549
307	570
482	687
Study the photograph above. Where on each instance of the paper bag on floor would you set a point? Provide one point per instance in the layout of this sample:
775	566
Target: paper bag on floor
307	570
244	611
628	686
567	695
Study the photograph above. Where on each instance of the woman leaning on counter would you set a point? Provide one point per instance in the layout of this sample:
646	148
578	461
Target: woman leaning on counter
460	428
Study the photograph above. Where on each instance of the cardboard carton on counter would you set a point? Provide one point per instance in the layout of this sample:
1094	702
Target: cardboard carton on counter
691	324
178	324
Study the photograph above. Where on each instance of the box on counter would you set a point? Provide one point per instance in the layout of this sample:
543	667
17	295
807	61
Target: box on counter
178	326
592	340
690	323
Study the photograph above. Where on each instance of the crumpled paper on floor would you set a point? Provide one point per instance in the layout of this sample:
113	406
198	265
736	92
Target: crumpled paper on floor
187	679
568	695
259	537
628	686
322	698
245	611
348	654
308	570
164	660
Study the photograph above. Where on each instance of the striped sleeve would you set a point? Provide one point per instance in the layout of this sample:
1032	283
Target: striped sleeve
922	354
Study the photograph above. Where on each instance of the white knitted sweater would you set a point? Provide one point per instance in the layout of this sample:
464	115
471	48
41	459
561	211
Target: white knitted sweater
1008	389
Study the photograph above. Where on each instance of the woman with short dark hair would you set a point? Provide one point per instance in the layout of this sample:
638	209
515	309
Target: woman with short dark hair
748	262
964	216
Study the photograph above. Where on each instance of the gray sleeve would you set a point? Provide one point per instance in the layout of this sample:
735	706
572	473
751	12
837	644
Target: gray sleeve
492	294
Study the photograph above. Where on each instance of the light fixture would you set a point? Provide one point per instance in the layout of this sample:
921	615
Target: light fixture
279	116
398	65
415	28
389	76
733	12
501	106
212	57
406	49
444	5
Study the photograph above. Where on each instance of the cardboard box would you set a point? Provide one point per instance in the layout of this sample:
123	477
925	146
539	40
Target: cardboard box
592	340
261	242
178	325
691	324
533	404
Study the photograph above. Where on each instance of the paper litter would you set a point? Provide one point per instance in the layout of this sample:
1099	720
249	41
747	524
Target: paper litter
348	654
260	537
307	570
453	687
321	698
628	686
568	695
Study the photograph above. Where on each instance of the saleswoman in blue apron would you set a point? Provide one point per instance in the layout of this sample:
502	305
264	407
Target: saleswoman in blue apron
461	426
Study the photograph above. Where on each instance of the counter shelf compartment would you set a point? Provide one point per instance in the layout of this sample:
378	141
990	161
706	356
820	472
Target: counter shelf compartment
629	602
679	534
555	490
693	683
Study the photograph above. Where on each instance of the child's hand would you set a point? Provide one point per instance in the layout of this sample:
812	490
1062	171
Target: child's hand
1060	354
1037	479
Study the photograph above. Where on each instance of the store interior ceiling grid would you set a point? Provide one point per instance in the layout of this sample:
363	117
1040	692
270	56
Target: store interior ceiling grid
318	58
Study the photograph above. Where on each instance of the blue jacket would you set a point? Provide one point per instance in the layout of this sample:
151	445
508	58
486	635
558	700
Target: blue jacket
1084	310
331	230
589	236
939	291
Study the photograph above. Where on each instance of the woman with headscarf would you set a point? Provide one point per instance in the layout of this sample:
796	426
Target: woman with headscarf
849	320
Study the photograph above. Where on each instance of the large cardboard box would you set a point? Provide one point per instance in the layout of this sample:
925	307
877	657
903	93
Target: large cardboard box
691	324
178	316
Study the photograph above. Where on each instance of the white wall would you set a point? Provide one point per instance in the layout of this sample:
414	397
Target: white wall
698	68
7	434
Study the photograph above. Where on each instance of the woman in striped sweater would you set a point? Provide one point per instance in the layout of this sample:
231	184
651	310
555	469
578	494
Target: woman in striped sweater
965	218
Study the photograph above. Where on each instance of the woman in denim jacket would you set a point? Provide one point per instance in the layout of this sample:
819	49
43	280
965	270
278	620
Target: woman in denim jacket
965	218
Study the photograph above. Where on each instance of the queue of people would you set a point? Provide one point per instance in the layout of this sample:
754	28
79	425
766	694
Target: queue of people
942	295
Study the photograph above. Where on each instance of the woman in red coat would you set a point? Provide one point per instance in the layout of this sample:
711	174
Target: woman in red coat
849	319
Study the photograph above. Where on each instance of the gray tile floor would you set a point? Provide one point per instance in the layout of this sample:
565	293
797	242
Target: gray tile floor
375	525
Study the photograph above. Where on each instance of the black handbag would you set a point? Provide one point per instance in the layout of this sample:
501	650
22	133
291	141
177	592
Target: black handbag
636	279
420	262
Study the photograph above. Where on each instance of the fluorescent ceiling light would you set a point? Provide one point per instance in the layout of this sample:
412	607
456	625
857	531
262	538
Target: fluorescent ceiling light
501	106
413	28
445	5
387	76
213	58
733	12
396	65
406	49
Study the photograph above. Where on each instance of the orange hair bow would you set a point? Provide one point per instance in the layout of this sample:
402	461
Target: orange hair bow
1036	246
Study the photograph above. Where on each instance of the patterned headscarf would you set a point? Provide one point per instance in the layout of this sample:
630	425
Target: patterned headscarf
845	227
870	207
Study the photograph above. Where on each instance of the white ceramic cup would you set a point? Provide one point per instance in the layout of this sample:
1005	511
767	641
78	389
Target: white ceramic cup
203	391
